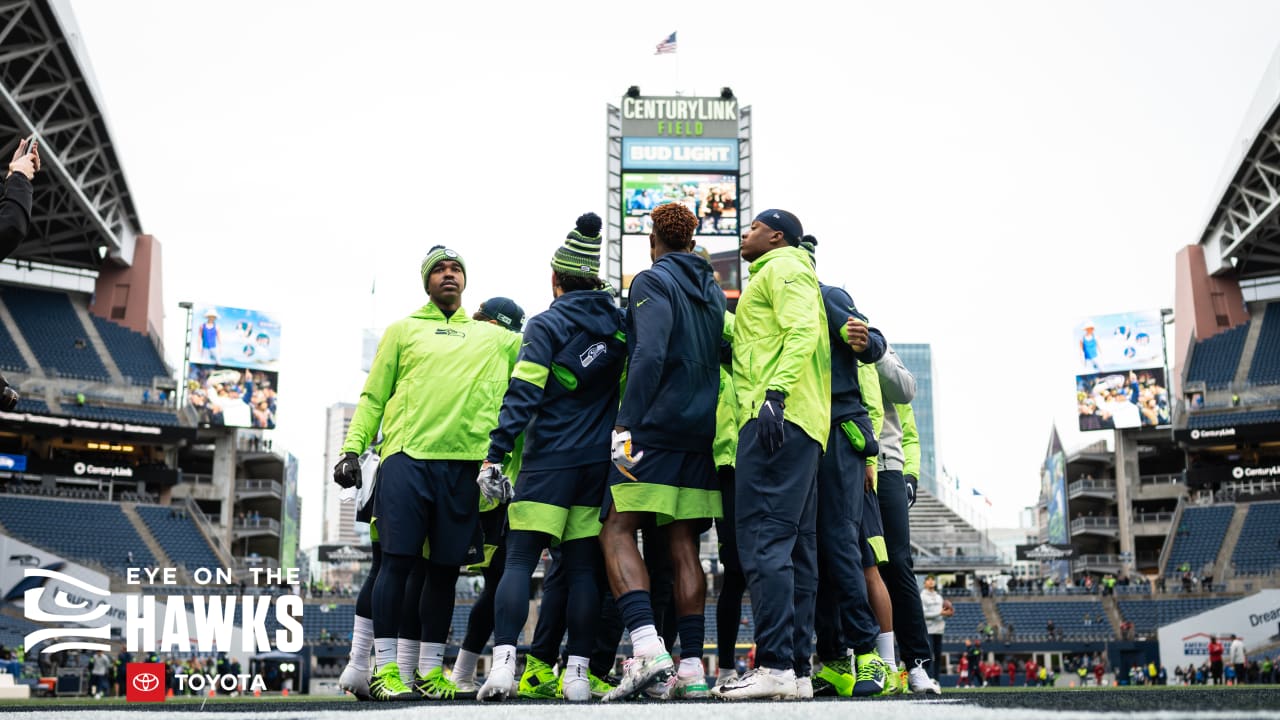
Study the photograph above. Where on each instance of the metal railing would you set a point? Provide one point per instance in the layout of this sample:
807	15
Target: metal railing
257	524
1103	523
271	486
1101	559
1081	486
1167	479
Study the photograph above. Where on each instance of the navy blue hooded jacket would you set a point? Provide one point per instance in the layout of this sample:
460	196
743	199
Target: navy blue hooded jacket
846	395
564	390
675	319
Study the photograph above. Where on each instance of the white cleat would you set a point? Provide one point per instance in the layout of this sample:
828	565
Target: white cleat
640	672
355	682
500	684
760	684
804	688
918	681
577	687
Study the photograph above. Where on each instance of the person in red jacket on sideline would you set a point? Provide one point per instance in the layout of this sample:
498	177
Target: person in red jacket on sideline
1012	669
1032	672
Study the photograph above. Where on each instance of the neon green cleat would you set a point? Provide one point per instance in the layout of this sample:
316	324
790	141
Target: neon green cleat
599	688
872	675
892	684
387	685
435	685
834	679
539	681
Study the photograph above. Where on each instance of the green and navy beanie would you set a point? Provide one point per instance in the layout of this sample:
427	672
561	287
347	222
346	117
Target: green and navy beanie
580	254
809	244
437	254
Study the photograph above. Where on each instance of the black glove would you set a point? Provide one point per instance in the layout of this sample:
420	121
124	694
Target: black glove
769	427
913	484
347	472
8	398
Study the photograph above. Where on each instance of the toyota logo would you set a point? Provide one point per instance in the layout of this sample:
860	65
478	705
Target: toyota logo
145	682
79	468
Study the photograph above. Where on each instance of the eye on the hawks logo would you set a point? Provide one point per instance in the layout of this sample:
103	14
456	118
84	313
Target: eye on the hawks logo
144	682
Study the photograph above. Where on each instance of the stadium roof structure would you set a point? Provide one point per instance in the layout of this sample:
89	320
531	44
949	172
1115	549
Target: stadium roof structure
83	214
1243	230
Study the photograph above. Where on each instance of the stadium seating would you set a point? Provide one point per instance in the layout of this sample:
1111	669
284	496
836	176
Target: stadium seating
1258	550
35	406
1148	616
10	357
89	532
14	629
1200	421
133	353
180	538
53	330
1199	536
964	624
1265	368
1029	619
117	414
336	619
1215	359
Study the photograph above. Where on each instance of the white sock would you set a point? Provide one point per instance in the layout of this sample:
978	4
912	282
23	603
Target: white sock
776	671
430	657
465	666
645	640
361	643
406	656
884	646
384	650
691	667
725	674
504	652
577	661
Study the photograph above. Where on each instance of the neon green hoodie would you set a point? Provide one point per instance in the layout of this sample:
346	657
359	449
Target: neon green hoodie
910	440
725	447
869	381
780	342
436	386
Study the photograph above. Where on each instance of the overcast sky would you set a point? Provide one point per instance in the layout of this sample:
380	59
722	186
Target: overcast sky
980	175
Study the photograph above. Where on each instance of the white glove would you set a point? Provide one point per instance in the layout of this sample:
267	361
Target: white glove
621	452
494	485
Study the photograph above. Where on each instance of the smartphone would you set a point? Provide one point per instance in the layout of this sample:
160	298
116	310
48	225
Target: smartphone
31	144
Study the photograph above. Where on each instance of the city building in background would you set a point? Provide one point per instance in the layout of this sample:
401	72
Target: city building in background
339	517
918	357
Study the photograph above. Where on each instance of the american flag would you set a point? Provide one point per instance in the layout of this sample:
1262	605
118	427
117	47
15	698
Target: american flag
667	46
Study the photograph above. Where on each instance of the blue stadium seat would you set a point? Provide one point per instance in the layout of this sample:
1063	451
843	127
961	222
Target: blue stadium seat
14	629
1199	421
35	406
90	532
51	327
117	414
1258	550
1148	616
10	357
964	624
133	353
1265	368
1215	359
1198	537
180	538
1029	619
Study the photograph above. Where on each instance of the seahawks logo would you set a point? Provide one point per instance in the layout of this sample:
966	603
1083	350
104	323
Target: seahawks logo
451	332
83	613
589	355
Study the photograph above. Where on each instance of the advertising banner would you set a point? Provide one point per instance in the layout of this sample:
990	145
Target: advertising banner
346	553
702	117
235	337
680	154
1047	551
1256	619
232	397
